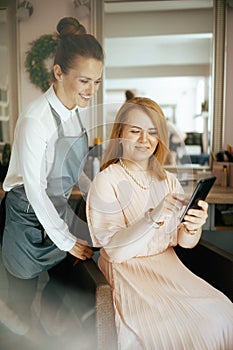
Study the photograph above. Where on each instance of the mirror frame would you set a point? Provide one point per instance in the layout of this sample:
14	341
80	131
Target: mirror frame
218	70
10	7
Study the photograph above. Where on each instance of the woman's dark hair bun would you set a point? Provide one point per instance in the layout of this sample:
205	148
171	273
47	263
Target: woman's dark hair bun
70	25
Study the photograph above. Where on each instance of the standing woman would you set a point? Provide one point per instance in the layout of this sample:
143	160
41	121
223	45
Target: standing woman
49	147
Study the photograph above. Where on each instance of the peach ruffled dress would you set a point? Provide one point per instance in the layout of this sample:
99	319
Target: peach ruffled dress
159	303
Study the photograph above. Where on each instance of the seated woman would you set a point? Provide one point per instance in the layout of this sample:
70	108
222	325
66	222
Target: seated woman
133	210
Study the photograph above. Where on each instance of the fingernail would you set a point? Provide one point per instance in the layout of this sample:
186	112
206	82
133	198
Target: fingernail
76	262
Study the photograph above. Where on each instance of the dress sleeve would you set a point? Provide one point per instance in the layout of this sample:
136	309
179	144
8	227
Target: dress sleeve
104	213
108	226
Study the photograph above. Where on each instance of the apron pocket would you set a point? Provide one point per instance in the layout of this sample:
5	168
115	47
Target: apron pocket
26	251
24	255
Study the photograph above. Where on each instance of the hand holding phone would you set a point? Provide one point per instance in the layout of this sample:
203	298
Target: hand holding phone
201	191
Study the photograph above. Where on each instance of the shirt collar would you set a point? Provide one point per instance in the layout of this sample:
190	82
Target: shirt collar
54	101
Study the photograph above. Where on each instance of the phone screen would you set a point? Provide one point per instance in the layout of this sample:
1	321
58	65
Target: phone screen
201	191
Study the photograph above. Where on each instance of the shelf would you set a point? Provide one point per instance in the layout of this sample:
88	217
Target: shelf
223	228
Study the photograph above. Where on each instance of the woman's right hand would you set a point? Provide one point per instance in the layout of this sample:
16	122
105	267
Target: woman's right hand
81	251
171	205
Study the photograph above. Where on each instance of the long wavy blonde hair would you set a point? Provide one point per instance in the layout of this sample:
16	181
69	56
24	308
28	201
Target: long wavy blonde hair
153	110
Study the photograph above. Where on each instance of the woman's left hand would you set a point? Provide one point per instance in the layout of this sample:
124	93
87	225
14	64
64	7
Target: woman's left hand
196	218
81	251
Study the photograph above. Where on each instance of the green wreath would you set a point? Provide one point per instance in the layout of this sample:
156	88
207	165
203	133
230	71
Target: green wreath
41	49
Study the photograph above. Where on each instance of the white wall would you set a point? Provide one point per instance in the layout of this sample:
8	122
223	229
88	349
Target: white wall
3	55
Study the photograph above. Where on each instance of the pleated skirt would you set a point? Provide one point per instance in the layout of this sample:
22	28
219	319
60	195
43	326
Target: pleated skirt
161	305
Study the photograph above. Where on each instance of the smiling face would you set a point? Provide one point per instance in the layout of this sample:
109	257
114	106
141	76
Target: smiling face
139	139
80	83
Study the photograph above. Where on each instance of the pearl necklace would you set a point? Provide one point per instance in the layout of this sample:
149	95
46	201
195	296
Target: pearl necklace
132	176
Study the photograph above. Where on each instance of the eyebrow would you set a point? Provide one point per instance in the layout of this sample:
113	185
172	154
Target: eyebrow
138	127
87	78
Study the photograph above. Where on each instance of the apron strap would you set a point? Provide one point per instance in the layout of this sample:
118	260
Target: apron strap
79	119
81	124
58	122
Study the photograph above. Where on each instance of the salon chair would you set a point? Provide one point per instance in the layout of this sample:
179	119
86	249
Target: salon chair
100	304
99	311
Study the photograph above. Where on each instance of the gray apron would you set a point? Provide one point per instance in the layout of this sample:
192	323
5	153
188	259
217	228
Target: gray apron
27	250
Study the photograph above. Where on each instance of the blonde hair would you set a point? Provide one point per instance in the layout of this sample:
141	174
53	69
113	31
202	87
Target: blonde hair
154	111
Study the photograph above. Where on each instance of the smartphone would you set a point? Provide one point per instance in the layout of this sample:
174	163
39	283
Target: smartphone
201	191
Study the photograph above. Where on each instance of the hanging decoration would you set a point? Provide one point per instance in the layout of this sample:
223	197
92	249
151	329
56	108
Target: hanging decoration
41	50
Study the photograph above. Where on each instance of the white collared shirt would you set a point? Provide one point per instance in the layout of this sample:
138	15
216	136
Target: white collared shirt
32	159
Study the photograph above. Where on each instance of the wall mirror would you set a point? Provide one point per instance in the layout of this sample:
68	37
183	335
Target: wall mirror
168	51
